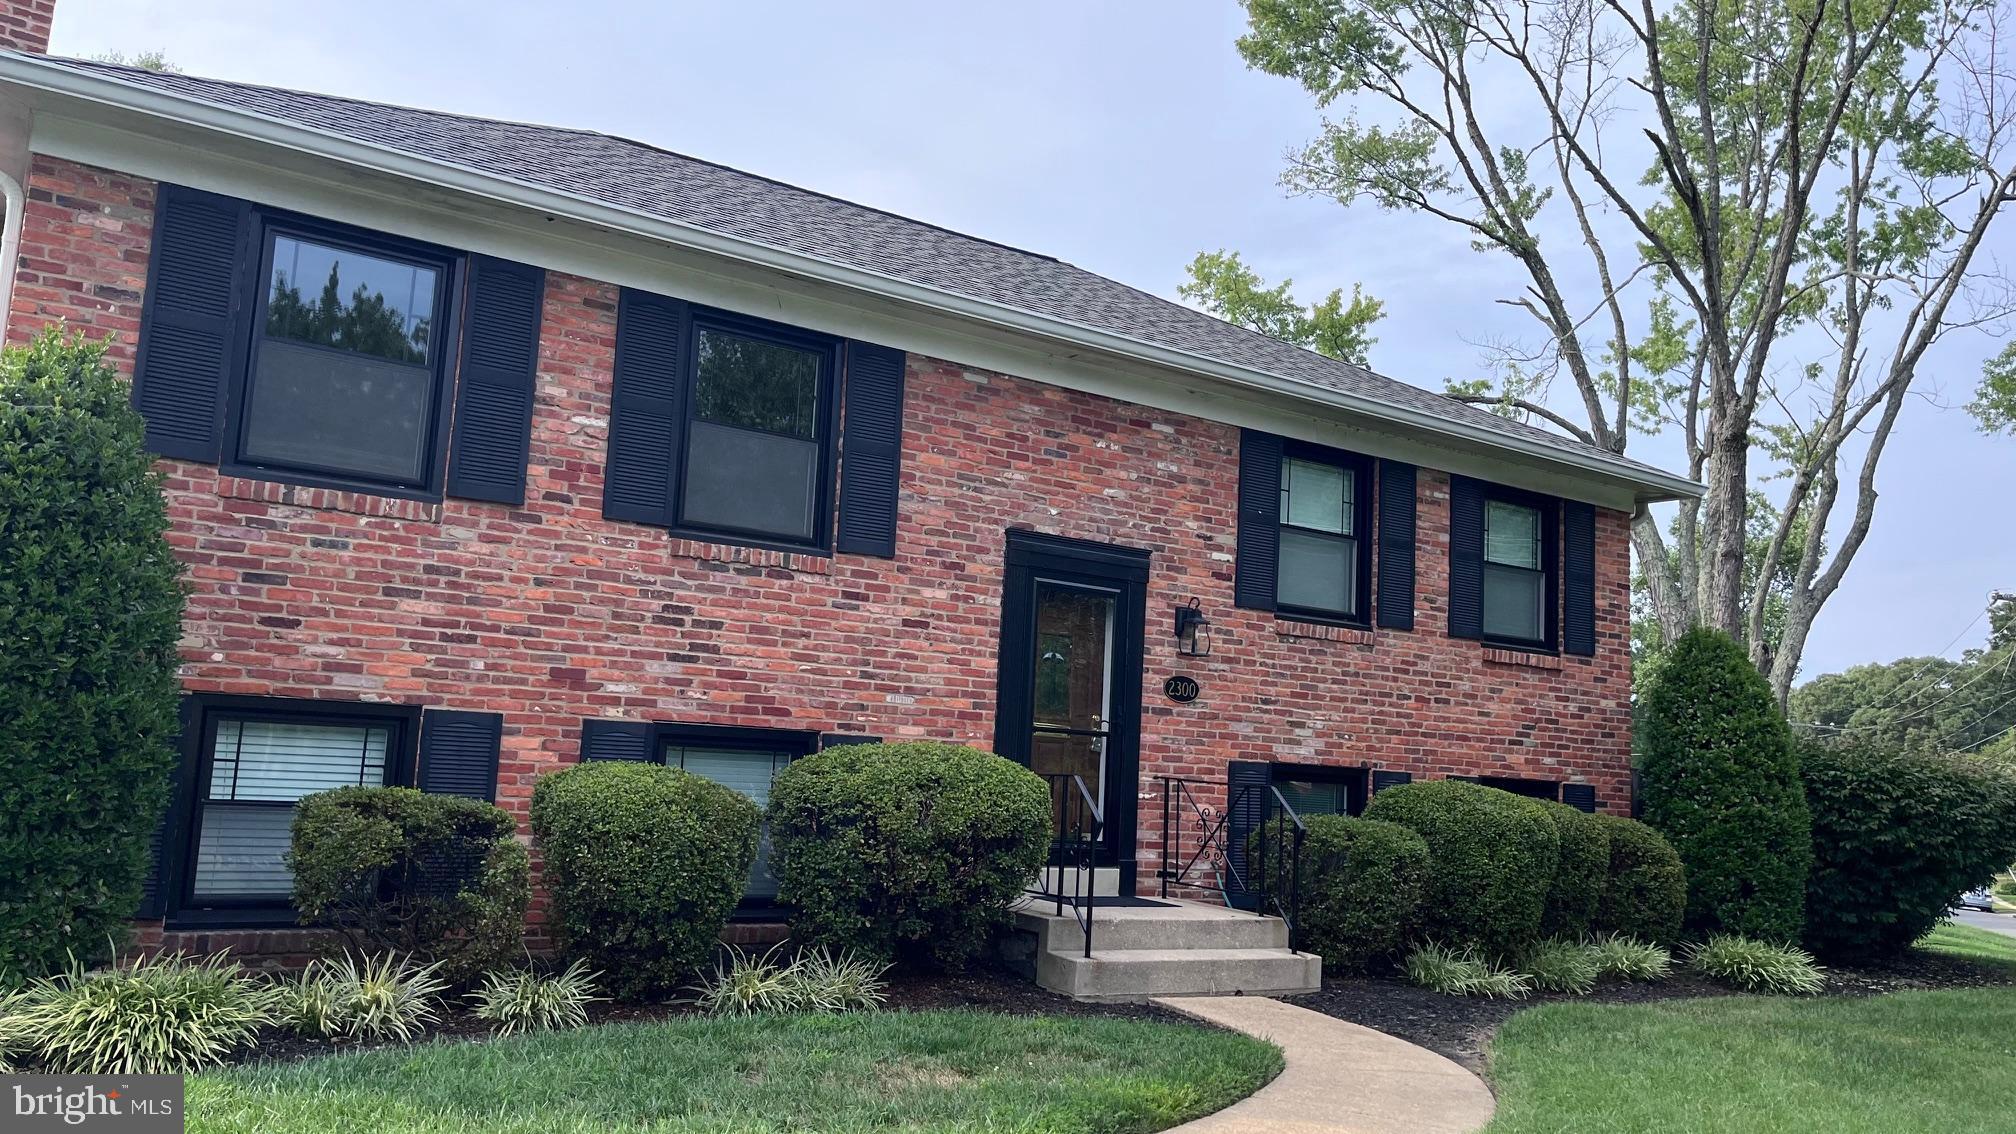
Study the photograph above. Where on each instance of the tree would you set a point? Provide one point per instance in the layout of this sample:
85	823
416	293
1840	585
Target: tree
1719	778
1745	222
1917	704
90	611
1224	286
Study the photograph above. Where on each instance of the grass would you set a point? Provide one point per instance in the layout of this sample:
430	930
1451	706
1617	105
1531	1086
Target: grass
1971	943
922	1071
1904	1063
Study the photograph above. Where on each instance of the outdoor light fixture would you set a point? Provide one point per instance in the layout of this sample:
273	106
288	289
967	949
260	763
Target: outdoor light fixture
1193	631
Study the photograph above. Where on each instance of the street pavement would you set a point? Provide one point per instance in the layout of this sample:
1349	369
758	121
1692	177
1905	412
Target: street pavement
1999	922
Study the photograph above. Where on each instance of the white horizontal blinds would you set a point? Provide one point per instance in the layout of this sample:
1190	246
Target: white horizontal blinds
243	839
748	771
1319	550
1515	589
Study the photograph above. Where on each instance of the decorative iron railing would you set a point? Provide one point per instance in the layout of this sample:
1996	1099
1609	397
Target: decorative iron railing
1077	827
1252	848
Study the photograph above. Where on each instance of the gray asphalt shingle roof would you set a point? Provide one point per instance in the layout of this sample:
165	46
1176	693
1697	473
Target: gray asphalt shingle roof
620	172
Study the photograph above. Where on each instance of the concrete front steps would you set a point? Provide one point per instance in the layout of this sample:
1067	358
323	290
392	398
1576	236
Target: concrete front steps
1174	948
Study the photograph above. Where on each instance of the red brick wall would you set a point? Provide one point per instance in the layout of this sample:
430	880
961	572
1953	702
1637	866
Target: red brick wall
24	25
549	613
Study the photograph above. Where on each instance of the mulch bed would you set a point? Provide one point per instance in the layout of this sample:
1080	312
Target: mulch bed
1461	1027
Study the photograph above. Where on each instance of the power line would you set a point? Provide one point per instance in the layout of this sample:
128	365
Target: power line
1903	690
2007	668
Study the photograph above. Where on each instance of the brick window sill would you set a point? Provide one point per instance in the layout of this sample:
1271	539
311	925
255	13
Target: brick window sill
1323	632
1497	656
799	562
328	499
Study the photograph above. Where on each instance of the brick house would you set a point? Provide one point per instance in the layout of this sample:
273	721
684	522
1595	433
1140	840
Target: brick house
491	447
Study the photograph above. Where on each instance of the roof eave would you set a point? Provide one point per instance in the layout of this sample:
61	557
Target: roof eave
1649	486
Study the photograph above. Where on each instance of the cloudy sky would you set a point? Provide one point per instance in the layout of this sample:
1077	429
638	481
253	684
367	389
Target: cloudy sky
1124	137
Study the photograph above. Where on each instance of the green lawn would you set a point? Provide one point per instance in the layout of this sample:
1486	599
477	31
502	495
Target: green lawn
924	1071
1904	1063
1971	943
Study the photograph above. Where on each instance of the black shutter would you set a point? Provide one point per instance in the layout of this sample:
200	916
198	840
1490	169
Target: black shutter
159	880
1578	577
871	450
493	400
1396	545
644	408
1581	797
1245	811
1466	558
458	753
1383	779
190	326
615	740
1257	555
841	740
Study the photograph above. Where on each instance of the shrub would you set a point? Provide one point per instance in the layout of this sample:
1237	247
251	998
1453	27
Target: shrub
745	984
386	998
1461	972
1580	873
1361	883
90	611
911	851
1563	966
168	1015
1896	835
839	982
1721	781
520	1000
310	1005
1491	857
644	863
1646	893
438	877
1628	958
1758	966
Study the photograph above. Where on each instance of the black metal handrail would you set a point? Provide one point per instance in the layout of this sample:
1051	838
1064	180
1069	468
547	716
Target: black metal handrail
1076	829
1268	843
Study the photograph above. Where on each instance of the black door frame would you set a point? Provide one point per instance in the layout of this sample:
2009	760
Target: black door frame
1033	555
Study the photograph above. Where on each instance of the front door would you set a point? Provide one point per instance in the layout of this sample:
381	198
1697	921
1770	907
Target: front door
1069	700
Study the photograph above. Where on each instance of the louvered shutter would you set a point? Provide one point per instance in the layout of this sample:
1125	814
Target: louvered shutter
191	324
1466	558
1396	545
459	752
871	450
1578	578
644	408
1245	811
615	740
159	880
1257	550
493	398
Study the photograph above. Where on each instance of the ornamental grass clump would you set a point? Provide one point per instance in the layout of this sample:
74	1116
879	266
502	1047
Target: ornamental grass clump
1758	966
1461	972
521	1000
1627	958
749	984
384	998
165	1015
1563	966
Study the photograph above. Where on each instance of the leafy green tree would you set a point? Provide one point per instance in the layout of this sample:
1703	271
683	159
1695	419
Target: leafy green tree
1917	704
1719	778
1744	223
90	611
1223	285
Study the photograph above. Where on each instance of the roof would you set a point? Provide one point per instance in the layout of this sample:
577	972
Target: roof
631	175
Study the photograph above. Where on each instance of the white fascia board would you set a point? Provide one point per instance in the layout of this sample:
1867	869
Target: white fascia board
137	130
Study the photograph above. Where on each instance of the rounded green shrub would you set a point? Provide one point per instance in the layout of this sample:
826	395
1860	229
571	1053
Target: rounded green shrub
1720	780
90	610
1645	895
1360	887
435	877
1491	857
644	864
1896	835
1580	872
908	851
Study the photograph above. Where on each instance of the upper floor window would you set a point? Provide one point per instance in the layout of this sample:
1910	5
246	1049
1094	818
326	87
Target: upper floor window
1322	563
345	380
1515	575
756	433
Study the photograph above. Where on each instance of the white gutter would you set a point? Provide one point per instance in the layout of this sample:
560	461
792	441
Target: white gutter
41	74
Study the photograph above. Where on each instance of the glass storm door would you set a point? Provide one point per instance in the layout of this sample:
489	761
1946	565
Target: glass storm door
1072	704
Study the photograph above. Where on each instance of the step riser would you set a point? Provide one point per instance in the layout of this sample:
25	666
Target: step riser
1064	935
1116	980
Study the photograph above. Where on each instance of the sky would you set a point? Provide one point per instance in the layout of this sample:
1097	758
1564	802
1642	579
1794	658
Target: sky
1124	136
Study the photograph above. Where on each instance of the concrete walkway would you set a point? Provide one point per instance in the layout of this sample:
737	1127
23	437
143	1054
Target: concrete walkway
1339	1078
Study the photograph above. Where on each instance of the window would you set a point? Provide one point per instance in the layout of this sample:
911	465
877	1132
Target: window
1518	583
1324	506
1532	789
346	380
756	457
1313	789
256	759
744	760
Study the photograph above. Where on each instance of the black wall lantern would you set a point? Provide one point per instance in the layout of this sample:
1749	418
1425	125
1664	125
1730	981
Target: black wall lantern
1193	631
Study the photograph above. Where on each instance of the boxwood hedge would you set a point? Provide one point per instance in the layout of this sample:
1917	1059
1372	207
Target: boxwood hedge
1361	884
1646	892
1491	857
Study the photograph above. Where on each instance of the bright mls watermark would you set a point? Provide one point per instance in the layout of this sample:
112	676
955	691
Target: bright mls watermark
139	1104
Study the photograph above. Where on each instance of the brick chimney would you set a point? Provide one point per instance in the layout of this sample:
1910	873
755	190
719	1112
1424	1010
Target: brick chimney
24	25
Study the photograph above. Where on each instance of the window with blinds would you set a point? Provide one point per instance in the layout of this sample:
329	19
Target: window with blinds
749	771
256	771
